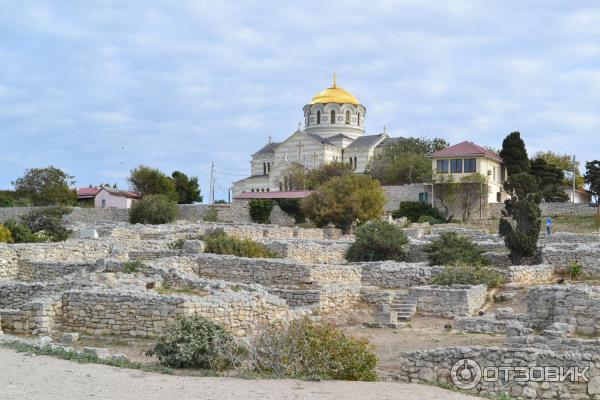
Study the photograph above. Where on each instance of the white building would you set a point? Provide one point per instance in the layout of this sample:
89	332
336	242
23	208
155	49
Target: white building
334	130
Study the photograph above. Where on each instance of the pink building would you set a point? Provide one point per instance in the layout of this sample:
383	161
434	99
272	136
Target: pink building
106	197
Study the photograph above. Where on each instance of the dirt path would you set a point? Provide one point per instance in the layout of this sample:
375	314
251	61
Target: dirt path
27	377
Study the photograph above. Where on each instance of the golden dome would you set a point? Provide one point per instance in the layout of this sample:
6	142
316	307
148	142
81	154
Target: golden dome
334	94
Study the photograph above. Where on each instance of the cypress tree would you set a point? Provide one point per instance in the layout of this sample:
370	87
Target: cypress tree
514	154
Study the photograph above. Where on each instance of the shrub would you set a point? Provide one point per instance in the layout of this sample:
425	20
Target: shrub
345	200
218	242
19	232
47	222
212	215
292	208
305	349
414	210
452	249
5	235
154	209
131	267
260	210
462	274
575	270
195	342
375	241
428	219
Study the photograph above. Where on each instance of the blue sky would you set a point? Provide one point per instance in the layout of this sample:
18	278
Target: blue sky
98	87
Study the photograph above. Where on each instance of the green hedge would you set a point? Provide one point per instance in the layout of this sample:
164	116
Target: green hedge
414	210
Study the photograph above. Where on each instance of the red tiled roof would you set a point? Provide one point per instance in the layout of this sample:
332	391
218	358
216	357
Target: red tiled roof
90	193
86	193
272	195
466	149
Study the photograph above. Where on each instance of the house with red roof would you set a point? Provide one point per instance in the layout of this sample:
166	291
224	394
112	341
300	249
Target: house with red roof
107	197
467	158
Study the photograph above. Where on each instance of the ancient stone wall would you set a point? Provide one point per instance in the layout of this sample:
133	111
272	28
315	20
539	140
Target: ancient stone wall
586	255
453	301
115	312
574	305
391	274
8	262
312	251
551	209
434	366
272	272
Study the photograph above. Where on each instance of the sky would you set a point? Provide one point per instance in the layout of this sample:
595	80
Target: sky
99	87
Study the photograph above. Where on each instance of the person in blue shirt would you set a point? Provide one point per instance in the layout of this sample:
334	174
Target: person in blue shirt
549	225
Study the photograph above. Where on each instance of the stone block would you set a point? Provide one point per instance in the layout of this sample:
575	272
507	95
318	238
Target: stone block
100	352
69	337
88	233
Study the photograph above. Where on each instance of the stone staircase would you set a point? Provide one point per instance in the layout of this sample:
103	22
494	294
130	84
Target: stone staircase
404	306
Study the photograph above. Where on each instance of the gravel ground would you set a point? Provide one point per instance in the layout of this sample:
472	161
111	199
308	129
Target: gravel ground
27	377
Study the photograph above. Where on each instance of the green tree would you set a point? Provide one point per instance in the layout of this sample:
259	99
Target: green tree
344	200
551	180
296	177
260	210
146	181
405	161
564	162
8	198
472	193
514	154
46	186
188	189
592	177
521	217
445	191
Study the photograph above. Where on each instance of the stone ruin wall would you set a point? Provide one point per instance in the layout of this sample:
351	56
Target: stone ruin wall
574	305
551	209
143	314
447	301
433	367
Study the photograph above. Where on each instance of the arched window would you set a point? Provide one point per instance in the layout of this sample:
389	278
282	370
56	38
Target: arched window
333	116
318	117
347	117
358	115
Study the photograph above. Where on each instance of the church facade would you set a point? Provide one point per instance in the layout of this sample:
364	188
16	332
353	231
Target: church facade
334	131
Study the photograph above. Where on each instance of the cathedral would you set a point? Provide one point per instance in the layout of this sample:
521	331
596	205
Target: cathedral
334	131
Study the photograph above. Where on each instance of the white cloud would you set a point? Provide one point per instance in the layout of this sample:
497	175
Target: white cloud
80	81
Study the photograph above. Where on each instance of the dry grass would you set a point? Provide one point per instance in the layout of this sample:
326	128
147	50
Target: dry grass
574	224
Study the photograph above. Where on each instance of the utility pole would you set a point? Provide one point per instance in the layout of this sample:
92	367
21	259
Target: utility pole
574	178
211	196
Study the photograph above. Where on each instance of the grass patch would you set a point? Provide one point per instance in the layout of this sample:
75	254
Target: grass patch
573	223
131	267
85	358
